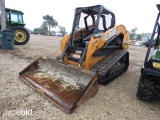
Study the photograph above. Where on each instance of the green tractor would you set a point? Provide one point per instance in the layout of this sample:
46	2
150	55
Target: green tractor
14	21
149	84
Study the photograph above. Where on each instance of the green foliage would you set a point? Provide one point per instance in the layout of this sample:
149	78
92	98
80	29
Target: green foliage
147	35
132	33
49	22
142	36
44	27
138	36
62	30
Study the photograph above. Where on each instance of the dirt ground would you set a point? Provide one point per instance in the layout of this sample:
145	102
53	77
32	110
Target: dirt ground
116	101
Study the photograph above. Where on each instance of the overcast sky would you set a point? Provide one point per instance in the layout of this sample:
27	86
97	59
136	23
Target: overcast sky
131	13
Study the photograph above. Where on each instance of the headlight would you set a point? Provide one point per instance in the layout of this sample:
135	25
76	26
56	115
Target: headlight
156	65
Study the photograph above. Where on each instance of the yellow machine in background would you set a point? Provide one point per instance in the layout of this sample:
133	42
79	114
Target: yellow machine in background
94	52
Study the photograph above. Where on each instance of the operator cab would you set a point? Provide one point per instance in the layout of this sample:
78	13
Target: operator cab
88	21
14	16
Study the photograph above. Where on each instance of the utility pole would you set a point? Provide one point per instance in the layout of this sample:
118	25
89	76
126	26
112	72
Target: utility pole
3	15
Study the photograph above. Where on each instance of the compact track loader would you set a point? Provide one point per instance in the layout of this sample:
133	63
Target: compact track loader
94	52
149	84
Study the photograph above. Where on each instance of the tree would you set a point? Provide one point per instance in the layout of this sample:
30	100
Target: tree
138	36
146	37
133	33
62	30
44	27
49	22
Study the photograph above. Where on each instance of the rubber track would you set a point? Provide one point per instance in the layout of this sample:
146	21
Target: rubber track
107	63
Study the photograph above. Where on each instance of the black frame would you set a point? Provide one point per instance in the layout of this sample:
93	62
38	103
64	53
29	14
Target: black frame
92	10
156	27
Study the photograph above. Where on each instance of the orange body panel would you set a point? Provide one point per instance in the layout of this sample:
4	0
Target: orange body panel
95	44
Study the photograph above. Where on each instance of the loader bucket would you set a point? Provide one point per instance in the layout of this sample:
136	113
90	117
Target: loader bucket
65	85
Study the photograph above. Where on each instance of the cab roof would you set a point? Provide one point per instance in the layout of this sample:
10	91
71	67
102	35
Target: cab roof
94	10
9	9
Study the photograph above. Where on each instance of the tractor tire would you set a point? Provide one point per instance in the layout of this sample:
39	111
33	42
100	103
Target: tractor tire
21	36
143	93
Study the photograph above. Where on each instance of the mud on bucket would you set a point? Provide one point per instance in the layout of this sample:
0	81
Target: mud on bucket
65	85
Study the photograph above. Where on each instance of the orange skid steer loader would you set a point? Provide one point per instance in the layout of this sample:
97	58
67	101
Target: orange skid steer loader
94	52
